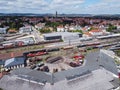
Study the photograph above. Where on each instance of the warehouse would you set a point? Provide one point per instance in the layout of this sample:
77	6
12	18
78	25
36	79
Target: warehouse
73	79
65	36
2	62
13	63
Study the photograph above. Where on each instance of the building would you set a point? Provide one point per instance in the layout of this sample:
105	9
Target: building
14	63
87	34
3	30
60	29
93	33
2	39
97	74
26	40
40	26
52	37
56	14
77	27
27	29
2	62
12	31
65	36
118	26
72	28
96	32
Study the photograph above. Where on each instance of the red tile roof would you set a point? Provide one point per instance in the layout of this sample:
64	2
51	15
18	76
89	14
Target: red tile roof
87	33
60	26
1	75
96	30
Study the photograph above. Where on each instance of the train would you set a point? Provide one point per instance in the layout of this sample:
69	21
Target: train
88	44
67	47
93	44
114	48
108	36
39	52
35	53
21	44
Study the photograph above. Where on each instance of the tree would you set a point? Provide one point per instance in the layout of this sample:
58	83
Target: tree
53	24
111	27
45	30
1	89
80	31
92	28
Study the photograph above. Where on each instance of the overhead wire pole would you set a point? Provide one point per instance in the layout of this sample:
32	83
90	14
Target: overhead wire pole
69	42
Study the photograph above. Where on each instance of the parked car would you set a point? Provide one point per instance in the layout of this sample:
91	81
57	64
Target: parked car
40	64
72	64
33	67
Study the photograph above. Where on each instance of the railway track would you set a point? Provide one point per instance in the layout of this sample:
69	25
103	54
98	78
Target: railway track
16	52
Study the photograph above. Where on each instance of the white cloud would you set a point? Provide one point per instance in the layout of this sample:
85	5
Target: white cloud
104	7
62	6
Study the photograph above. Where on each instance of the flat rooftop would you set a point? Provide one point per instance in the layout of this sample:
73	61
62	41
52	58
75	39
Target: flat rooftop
97	80
94	61
96	73
59	34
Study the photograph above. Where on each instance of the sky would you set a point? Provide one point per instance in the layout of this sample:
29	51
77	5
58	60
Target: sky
61	6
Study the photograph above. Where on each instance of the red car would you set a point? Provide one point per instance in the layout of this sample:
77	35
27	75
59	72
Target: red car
79	57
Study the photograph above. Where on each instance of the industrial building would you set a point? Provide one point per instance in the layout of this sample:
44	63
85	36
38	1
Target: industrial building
3	30
65	36
27	29
97	74
12	63
2	62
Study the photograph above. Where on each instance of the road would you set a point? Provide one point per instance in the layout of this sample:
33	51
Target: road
36	33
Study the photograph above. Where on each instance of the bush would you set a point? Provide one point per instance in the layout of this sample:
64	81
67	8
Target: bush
111	27
1	89
80	31
45	31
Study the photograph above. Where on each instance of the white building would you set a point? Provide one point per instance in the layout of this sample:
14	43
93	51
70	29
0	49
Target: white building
71	28
76	27
60	29
65	36
96	32
27	29
40	26
118	26
3	30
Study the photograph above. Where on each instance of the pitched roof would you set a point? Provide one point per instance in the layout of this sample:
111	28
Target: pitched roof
12	30
14	61
2	62
92	81
96	30
60	26
87	33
